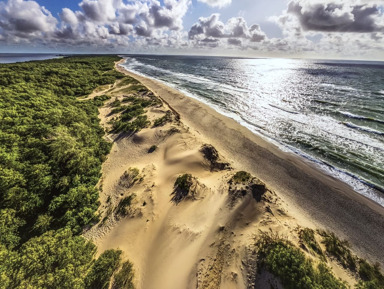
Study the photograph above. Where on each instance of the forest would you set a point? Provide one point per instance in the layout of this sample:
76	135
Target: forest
51	152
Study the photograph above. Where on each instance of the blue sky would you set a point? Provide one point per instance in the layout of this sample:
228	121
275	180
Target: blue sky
280	28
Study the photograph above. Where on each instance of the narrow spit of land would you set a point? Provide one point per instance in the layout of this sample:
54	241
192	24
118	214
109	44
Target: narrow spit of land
204	237
326	201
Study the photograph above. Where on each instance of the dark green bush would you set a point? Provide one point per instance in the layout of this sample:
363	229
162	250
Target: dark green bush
307	239
241	177
182	188
152	149
102	270
285	261
124	278
124	205
100	99
163	120
339	249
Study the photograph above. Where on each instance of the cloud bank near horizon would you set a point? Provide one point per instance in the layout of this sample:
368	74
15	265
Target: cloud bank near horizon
343	28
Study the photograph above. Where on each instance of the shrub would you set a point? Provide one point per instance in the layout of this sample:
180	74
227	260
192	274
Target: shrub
307	239
182	188
100	99
129	178
163	120
241	177
284	260
339	249
370	274
102	270
212	156
124	278
124	205
115	103
152	149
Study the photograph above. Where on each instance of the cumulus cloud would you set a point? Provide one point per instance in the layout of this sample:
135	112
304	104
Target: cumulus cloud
337	16
344	28
216	3
20	18
325	27
101	10
236	31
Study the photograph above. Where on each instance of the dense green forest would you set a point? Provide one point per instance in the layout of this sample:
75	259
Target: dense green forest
51	151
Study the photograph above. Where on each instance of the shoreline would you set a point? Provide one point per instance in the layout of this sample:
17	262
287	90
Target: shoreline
365	187
328	202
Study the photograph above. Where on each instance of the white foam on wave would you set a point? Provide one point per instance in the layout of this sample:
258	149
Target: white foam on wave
184	76
363	128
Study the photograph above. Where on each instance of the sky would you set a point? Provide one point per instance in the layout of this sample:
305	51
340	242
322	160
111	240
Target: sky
338	29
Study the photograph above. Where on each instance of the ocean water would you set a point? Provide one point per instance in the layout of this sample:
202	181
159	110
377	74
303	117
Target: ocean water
22	57
330	112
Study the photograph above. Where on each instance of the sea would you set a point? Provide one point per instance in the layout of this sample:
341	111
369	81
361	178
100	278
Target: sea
329	112
23	57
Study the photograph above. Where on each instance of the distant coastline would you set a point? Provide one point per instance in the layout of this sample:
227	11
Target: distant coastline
24	57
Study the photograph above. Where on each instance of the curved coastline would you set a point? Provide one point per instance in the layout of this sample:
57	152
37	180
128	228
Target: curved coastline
328	202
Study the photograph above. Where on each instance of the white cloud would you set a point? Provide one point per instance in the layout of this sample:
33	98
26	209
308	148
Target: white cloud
236	31
20	18
216	3
320	27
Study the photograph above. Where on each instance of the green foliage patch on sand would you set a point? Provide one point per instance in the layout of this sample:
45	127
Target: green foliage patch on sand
182	188
133	118
339	249
371	275
308	241
292	267
163	120
241	177
51	151
124	278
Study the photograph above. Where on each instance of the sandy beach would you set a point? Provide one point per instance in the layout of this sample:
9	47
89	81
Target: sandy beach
206	242
327	201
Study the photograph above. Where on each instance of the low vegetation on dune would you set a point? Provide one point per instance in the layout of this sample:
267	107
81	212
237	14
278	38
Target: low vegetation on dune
370	275
184	188
51	151
152	149
123	279
124	206
308	242
212	156
243	183
292	267
163	120
129	178
295	270
132	114
339	249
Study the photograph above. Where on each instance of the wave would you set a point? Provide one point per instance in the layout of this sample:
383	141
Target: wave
363	128
356	116
284	109
340	87
187	77
326	102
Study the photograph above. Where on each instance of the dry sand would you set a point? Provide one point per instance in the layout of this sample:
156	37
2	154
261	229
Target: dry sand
206	242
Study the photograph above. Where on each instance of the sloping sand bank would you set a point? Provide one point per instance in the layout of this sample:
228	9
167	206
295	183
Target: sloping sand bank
328	202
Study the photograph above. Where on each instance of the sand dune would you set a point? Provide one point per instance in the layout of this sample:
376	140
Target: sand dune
326	201
206	242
